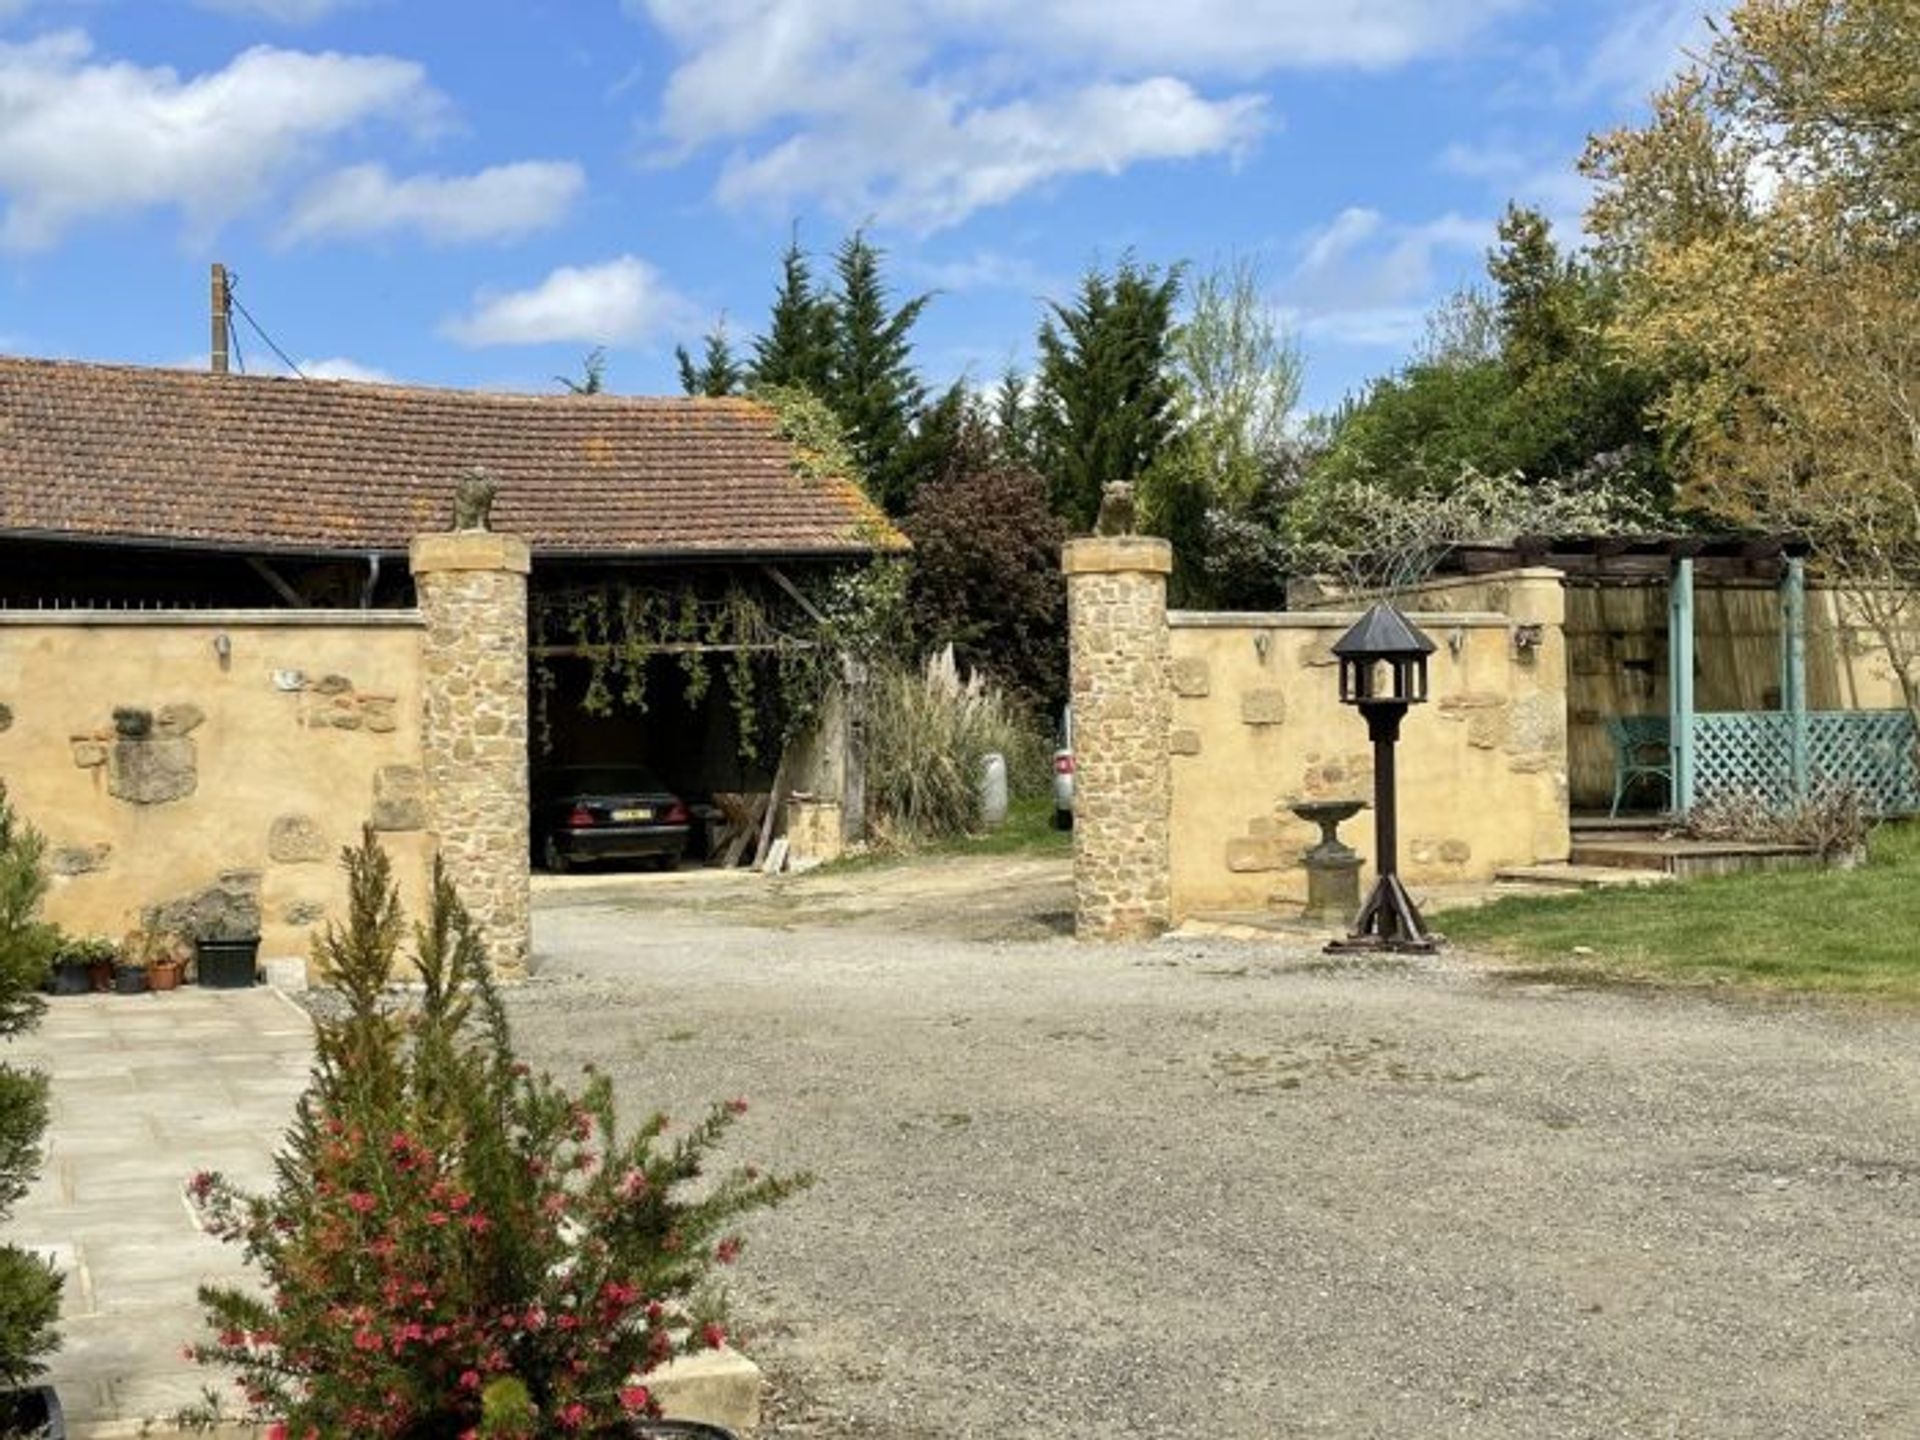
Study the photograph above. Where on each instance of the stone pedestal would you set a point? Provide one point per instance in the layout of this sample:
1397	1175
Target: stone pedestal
1122	715
473	594
1333	868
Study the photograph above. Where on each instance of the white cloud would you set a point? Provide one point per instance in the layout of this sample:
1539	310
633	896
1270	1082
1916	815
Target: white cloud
620	302
928	165
1496	160
82	138
288	12
1641	45
503	202
1367	281
982	270
1645	47
923	111
340	368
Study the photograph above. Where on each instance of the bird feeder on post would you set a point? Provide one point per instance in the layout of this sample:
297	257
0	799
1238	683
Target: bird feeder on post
1383	671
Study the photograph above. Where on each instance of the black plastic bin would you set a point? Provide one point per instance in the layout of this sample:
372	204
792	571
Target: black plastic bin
227	964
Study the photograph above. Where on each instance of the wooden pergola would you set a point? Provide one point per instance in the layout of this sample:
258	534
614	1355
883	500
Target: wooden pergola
1781	754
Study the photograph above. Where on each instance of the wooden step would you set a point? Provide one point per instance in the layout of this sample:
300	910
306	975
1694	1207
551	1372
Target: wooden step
1689	859
1571	878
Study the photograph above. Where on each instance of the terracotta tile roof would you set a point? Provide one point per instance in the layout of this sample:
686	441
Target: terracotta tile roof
257	463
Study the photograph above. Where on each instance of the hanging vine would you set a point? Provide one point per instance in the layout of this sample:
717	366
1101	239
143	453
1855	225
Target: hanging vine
779	658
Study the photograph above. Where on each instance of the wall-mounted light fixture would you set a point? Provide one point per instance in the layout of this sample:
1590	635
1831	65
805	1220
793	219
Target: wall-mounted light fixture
1456	640
1262	642
1526	642
223	649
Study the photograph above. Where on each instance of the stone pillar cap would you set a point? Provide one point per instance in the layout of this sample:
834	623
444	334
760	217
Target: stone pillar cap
469	550
1110	554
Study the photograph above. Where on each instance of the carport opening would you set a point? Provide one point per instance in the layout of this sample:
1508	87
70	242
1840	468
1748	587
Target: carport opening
726	692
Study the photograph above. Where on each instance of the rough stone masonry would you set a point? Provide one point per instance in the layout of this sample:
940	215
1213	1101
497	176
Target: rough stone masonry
1122	712
473	595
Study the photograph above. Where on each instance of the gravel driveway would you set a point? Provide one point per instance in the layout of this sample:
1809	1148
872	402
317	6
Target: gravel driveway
1210	1189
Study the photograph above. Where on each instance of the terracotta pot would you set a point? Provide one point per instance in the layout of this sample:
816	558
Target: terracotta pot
166	974
100	976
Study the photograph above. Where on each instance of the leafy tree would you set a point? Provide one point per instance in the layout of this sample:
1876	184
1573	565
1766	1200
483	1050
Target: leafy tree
1369	538
1766	220
1105	402
871	382
797	348
1522	381
29	1287
719	372
986	573
1237	379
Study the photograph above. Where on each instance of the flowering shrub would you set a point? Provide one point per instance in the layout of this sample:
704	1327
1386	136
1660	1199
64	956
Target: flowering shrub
456	1246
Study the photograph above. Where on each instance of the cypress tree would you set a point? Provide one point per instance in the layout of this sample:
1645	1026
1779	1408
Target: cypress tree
798	346
873	387
1105	407
719	371
29	1288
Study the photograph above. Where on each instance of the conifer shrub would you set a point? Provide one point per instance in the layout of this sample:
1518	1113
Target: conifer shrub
29	1287
455	1245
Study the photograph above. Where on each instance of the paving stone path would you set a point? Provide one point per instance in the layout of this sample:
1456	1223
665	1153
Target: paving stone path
146	1090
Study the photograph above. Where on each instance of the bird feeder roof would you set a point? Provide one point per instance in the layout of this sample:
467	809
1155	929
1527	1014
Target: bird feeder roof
1383	633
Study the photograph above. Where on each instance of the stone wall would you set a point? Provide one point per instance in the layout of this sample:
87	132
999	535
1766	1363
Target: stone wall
1257	724
210	766
1116	605
473	596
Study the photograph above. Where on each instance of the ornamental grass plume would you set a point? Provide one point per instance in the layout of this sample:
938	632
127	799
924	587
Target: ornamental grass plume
455	1245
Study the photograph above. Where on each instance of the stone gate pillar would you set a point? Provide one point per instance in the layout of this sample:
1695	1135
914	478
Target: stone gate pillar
473	594
1122	712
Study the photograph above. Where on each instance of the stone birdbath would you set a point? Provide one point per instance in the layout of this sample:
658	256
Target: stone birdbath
1333	868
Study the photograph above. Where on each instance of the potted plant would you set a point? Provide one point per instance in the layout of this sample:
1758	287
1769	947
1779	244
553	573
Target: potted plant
161	955
29	1286
82	964
457	1245
129	974
66	973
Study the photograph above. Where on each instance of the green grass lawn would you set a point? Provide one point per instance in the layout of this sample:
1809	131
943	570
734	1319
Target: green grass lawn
1028	831
1855	932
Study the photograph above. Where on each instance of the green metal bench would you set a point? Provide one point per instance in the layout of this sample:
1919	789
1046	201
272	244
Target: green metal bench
1642	750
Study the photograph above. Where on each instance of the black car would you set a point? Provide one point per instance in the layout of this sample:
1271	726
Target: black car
606	812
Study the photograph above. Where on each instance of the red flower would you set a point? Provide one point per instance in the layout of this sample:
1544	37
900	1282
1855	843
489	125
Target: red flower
360	1202
714	1335
634	1397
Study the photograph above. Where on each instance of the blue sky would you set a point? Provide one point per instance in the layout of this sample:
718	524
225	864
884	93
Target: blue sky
477	193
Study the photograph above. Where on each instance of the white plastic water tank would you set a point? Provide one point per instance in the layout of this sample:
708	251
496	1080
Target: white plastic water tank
993	791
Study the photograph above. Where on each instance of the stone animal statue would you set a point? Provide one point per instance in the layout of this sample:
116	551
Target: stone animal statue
473	500
1116	509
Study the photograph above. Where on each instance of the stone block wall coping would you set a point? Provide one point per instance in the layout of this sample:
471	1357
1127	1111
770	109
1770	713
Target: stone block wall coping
1328	620
469	550
1117	554
220	619
1536	574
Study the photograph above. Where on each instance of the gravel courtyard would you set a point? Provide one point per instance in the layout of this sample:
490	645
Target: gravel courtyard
1200	1188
